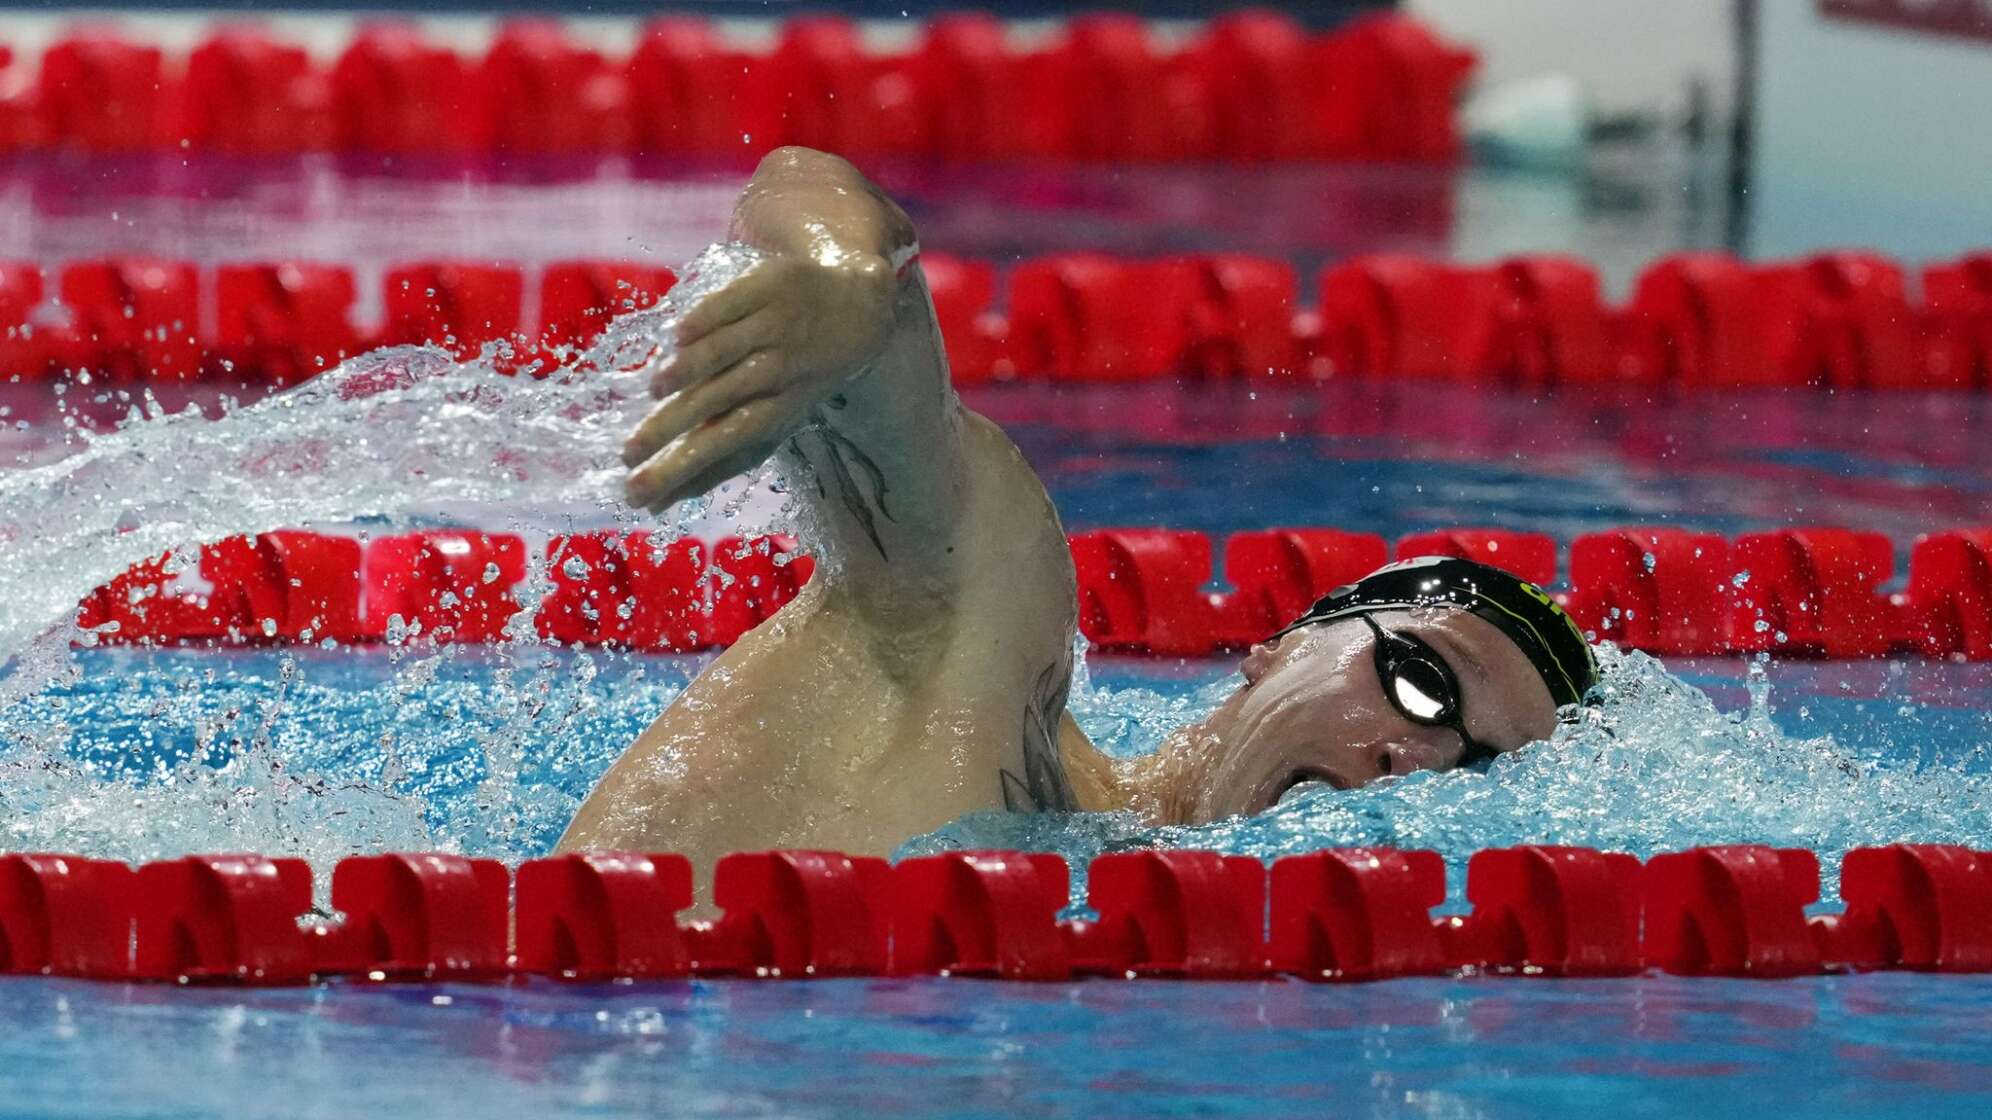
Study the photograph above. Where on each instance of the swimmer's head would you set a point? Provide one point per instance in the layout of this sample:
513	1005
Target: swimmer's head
1427	664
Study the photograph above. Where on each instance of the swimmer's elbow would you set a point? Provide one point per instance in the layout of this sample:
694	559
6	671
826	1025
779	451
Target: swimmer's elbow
794	159
799	196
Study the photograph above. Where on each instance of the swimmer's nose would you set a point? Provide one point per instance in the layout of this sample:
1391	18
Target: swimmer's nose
1398	759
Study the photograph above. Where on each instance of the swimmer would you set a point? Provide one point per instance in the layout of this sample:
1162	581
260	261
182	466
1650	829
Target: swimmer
922	673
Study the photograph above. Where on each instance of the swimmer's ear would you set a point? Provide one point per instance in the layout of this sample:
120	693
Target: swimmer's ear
1259	661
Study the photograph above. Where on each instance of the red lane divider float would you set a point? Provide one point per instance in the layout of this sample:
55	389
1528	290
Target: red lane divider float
1338	915
598	915
1694	321
1810	592
1249	87
1172	913
419	917
797	914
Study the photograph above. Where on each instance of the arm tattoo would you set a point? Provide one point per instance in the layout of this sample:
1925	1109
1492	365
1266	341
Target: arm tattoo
860	484
1044	787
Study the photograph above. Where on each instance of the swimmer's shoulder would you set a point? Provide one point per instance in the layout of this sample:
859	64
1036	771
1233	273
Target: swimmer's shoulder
1096	781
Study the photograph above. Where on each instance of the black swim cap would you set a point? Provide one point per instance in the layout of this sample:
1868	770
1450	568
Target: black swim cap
1524	612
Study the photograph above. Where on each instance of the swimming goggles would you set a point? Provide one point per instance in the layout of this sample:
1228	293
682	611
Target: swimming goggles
1422	686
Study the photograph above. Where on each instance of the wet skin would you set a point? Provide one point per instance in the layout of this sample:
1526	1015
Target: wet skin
1313	710
922	673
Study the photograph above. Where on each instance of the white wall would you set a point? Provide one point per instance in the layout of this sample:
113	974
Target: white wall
1870	136
1627	54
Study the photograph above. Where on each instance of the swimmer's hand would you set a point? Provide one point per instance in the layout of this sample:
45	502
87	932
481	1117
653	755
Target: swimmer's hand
753	359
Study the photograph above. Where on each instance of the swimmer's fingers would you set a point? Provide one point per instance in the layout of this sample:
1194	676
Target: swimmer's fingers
718	351
746	294
701	460
683	411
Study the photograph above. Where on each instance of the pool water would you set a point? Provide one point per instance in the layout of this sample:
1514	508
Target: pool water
1883	1045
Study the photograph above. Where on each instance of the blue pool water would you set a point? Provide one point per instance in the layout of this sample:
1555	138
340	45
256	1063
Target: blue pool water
1872	1046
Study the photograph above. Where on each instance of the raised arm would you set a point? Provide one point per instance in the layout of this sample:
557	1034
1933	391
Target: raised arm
825	352
923	672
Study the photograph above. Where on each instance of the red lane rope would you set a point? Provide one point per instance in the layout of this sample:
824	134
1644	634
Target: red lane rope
1341	914
1807	592
1694	321
1249	87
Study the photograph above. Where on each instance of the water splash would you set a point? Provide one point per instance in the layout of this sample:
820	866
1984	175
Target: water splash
389	439
394	433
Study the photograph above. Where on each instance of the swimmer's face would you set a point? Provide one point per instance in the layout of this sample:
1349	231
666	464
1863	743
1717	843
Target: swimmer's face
1313	709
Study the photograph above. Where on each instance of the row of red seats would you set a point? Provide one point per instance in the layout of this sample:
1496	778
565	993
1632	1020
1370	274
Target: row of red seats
1343	914
1252	86
1695	321
132	318
1799	592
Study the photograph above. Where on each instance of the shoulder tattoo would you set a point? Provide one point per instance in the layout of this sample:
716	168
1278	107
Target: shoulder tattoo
1043	786
860	484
